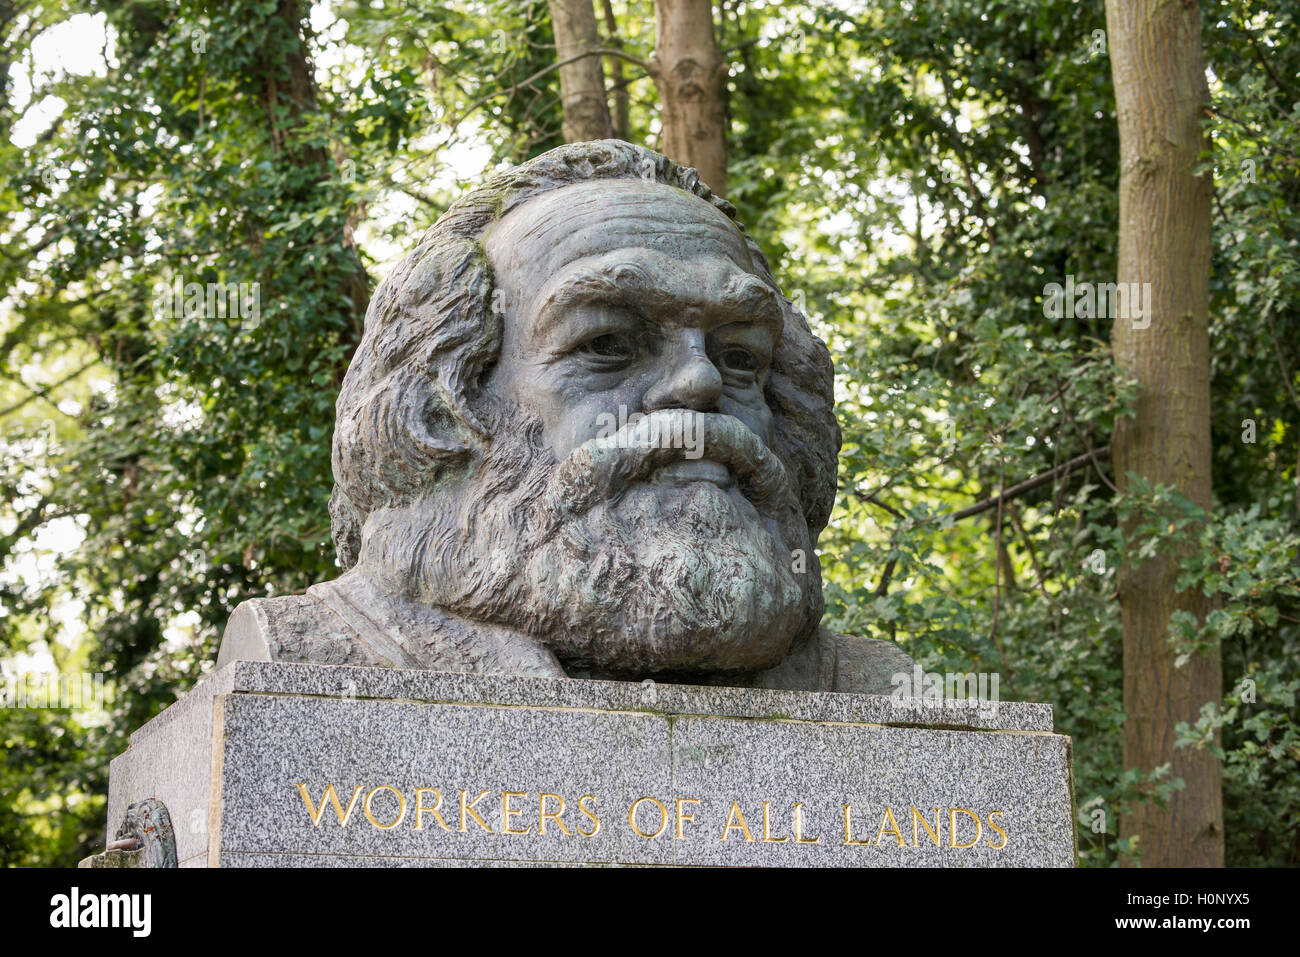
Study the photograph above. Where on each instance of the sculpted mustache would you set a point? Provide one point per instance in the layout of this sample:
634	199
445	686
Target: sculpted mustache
605	466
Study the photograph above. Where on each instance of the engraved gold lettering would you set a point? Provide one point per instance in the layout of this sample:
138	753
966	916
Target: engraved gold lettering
848	827
333	798
893	828
997	847
591	813
507	812
682	818
469	809
421	810
401	813
934	835
731	816
663	817
952	827
544	815
767	833
798	827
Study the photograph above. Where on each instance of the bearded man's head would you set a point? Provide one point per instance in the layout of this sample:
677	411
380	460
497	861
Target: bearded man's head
582	409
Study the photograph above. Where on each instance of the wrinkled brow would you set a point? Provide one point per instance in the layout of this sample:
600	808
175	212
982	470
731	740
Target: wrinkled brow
629	284
749	295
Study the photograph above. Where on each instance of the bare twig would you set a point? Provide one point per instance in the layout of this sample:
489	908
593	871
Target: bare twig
44	391
1028	485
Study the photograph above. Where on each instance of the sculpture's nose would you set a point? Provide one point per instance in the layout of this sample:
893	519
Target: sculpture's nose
690	380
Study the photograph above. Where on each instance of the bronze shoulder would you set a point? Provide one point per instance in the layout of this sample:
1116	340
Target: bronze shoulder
289	628
867	665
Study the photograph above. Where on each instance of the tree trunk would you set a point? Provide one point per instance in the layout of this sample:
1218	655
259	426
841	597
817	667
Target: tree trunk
618	88
691	76
582	82
1164	240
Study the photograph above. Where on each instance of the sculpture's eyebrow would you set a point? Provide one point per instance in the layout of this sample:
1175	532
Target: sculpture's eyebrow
625	283
748	296
622	283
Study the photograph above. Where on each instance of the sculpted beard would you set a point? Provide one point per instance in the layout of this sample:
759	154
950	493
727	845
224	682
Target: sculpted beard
606	568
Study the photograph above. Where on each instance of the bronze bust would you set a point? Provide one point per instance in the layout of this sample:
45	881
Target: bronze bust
583	435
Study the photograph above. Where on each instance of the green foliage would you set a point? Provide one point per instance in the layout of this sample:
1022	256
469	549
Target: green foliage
916	172
925	170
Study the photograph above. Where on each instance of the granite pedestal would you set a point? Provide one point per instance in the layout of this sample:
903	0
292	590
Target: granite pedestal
289	765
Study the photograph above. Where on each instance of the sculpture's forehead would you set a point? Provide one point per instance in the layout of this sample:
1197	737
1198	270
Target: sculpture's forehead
563	225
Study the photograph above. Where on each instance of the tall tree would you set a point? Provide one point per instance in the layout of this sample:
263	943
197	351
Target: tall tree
618	85
691	75
582	81
1161	99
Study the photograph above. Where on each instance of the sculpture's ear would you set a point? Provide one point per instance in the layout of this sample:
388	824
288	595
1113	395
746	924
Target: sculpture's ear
394	443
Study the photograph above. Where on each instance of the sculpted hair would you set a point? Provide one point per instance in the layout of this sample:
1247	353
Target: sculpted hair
406	414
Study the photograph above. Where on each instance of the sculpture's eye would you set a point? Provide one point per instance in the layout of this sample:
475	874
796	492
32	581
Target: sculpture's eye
736	359
608	350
